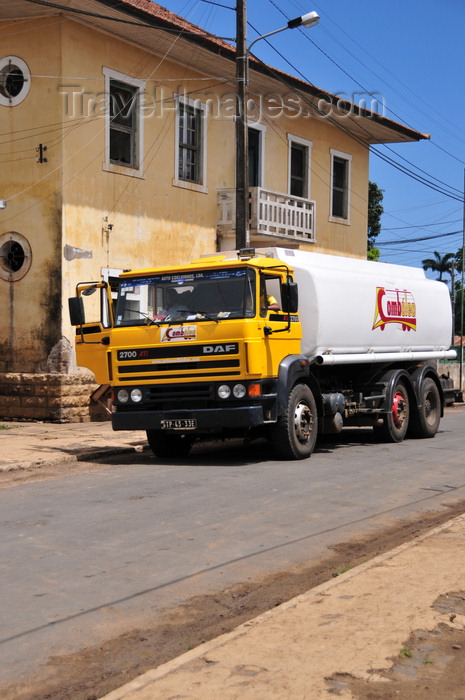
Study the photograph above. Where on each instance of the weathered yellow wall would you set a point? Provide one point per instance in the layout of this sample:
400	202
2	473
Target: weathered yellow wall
30	322
152	222
71	199
331	237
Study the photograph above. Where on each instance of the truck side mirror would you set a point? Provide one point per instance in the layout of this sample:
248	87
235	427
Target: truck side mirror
76	311
290	297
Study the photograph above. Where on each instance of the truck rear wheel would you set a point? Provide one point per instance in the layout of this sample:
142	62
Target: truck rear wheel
424	423
168	445
395	423
294	435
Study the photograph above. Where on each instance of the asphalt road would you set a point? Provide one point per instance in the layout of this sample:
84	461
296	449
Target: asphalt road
87	556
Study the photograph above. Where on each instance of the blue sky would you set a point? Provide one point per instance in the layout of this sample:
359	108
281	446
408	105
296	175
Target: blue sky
409	52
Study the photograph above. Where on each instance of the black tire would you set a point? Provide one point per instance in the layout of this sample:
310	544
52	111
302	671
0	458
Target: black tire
295	433
424	423
169	445
393	426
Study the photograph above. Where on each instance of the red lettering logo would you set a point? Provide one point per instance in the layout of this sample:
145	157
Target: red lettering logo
178	333
395	306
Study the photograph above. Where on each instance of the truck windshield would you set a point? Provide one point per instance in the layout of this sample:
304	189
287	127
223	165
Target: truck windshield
186	296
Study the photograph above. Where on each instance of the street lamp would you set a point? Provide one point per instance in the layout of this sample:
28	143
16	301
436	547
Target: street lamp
242	80
309	20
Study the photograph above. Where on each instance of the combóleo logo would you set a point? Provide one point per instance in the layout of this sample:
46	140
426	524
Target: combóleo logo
395	306
178	333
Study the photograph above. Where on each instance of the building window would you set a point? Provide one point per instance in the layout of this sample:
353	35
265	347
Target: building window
299	166
15	80
123	124
340	185
190	144
253	142
255	148
15	256
124	128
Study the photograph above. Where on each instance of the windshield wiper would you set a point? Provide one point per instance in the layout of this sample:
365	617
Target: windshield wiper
149	320
206	315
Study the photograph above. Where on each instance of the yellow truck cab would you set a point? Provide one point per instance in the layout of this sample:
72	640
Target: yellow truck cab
194	350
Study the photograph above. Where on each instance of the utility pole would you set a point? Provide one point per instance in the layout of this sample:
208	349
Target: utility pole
461	291
242	189
452	297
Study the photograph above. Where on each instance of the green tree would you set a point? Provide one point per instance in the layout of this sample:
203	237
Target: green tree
459	304
459	292
375	211
373	254
440	263
458	260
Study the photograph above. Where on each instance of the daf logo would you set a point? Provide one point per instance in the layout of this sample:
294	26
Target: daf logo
219	349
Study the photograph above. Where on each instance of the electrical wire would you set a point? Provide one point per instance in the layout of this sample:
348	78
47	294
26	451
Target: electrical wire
401	168
387	159
410	226
417	240
296	70
120	20
419	100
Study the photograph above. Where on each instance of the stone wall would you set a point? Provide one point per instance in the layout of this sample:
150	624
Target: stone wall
60	398
76	397
453	370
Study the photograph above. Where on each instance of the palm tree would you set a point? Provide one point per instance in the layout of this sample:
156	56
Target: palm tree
440	263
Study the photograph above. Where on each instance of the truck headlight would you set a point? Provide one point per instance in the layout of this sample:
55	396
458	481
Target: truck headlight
122	396
239	391
136	395
224	391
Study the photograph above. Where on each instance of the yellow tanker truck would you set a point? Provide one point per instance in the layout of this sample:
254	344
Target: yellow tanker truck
276	342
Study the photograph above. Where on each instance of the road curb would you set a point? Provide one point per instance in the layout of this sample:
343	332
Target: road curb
143	681
84	456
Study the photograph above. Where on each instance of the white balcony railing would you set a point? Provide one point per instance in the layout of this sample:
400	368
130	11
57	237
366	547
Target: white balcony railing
271	214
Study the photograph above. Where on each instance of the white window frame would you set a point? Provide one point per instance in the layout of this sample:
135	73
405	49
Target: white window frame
202	108
308	145
139	84
106	273
261	128
9	100
347	157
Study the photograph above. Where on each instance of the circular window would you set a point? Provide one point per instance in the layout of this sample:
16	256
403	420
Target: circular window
15	80
15	256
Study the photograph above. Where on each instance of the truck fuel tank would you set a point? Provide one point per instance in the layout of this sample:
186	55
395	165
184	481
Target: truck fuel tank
353	307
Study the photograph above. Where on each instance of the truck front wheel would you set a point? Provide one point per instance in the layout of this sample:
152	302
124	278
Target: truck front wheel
294	435
169	445
395	423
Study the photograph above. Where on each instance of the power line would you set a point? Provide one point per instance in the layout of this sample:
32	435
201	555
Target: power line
406	171
416	240
120	20
218	4
410	226
429	183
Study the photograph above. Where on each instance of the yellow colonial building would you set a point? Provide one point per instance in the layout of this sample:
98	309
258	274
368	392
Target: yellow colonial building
118	151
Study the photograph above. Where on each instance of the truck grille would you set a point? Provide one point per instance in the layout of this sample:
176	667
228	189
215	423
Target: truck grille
199	360
162	369
165	398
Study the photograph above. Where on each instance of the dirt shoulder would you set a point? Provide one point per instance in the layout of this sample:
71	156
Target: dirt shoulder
96	671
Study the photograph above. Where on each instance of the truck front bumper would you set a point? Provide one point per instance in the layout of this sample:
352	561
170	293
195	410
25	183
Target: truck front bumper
207	420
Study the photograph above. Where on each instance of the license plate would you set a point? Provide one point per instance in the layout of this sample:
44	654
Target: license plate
178	424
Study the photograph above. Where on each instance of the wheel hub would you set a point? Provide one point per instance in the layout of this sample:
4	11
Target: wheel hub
303	422
398	409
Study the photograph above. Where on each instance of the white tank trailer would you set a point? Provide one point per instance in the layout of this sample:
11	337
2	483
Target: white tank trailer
373	333
363	311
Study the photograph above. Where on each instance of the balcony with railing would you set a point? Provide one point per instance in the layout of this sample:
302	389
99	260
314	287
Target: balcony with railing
273	217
